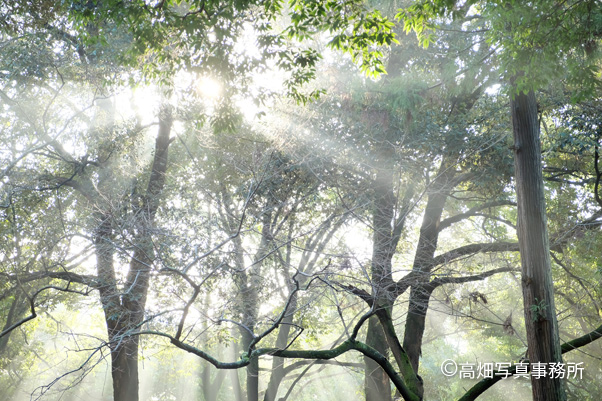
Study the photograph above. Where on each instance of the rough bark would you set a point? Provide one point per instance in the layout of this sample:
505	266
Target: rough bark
124	310
423	263
377	384
538	290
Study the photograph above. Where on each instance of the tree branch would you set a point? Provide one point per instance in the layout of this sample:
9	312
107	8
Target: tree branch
465	279
472	212
479	388
471	249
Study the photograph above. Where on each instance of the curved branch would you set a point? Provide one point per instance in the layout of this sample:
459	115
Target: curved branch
89	280
485	384
32	307
247	358
465	279
472	249
472	212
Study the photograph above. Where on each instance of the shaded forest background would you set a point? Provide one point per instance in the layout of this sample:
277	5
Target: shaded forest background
304	200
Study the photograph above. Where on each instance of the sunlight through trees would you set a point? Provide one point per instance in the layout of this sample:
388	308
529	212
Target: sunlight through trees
301	200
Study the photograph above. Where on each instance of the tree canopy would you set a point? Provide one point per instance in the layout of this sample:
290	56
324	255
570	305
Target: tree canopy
215	200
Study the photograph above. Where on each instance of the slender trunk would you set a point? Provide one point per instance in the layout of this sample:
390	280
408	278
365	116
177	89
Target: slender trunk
211	388
376	381
415	324
234	378
425	252
248	299
278	363
124	310
18	307
111	303
252	370
538	290
249	292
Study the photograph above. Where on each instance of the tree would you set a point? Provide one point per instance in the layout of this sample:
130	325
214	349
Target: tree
237	235
518	31
538	290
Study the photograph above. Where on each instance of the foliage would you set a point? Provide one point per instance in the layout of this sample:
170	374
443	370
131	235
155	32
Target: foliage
258	216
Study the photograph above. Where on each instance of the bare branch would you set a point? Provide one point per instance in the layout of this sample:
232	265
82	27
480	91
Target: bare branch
472	212
465	279
479	388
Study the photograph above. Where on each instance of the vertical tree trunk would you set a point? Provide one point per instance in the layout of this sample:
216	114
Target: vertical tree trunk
211	388
415	324
376	381
249	286
124	310
234	378
425	252
252	370
124	364
281	342
538	289
248	300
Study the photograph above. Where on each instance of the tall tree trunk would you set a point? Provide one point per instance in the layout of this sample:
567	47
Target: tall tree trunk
111	303
211	388
124	310
249	283
124	364
415	324
234	378
18	307
425	252
281	342
538	290
252	370
124	370
248	304
376	381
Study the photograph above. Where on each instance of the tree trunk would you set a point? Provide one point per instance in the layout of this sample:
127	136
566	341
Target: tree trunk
124	364
211	388
376	382
415	323
538	290
413	381
425	252
234	378
248	299
281	342
18	307
124	310
252	370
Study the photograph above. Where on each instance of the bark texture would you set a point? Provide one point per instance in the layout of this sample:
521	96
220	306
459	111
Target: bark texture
538	289
124	309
